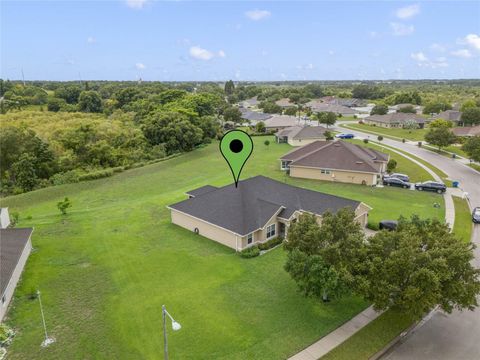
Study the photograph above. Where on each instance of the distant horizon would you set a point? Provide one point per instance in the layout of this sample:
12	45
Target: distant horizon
126	40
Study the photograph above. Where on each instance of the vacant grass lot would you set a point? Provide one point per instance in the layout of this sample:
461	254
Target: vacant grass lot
108	266
414	135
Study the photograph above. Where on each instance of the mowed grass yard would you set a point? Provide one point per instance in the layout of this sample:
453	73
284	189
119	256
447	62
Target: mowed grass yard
414	135
107	267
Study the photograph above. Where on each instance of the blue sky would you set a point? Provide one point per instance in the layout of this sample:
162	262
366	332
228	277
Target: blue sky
182	40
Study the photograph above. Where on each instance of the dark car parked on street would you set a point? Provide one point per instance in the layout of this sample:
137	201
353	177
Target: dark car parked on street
476	215
345	136
393	181
389	225
431	186
403	177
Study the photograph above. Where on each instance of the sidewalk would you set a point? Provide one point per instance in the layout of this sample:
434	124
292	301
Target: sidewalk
336	337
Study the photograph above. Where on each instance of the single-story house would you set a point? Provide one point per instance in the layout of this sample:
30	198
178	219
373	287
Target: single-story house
250	103
394	120
450	115
258	210
336	161
279	122
254	116
15	247
285	103
418	109
317	106
300	135
467	131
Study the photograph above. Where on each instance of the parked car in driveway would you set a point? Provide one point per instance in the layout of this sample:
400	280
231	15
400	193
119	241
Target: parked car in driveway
402	177
431	186
344	136
393	181
476	215
389	225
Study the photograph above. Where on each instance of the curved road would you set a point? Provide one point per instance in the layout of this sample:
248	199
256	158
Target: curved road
455	336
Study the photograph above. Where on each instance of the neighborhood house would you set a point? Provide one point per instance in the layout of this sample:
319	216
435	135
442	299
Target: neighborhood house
300	135
258	210
336	161
278	122
395	120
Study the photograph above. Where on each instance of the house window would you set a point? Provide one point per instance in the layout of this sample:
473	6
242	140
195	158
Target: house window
270	231
285	165
325	171
3	300
249	238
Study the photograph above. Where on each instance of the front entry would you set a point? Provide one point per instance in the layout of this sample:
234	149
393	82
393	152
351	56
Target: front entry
281	229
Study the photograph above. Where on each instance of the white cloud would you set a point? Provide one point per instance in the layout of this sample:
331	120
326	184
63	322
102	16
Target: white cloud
136	4
473	40
201	54
257	15
438	47
408	12
140	66
222	54
331	52
419	56
462	53
91	40
400	29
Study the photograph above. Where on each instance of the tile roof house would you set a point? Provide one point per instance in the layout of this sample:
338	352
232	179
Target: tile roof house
467	131
336	161
249	103
450	115
258	210
394	120
279	122
15	247
300	135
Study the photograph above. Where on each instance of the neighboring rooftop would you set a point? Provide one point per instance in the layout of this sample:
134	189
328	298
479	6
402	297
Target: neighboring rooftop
281	121
254	115
303	132
12	244
396	118
249	207
451	115
327	107
467	131
338	155
285	102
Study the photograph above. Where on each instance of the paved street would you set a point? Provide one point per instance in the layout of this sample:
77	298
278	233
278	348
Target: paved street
455	336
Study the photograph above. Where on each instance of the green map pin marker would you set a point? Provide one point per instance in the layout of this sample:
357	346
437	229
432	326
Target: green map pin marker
236	147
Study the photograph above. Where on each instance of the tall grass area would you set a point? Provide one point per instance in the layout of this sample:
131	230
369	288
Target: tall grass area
106	268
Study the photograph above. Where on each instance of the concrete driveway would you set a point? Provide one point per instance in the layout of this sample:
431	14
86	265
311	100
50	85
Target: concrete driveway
443	337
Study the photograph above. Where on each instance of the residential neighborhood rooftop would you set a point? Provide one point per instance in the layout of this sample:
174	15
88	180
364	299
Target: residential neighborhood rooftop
467	131
281	121
339	155
254	115
394	118
452	115
247	208
12	244
303	132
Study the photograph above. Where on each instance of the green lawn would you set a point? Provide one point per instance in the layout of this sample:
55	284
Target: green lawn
372	338
404	166
108	266
463	219
474	166
414	135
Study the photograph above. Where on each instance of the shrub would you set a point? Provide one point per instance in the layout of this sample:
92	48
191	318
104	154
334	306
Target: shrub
365	141
250	252
270	243
96	175
373	226
6	335
67	177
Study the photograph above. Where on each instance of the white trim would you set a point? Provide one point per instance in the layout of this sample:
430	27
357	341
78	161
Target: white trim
341	170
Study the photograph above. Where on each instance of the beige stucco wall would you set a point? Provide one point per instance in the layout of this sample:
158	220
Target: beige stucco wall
379	124
14	279
295	142
361	213
205	229
261	235
335	175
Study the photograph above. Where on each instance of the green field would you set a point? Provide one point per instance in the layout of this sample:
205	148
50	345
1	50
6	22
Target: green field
463	219
414	135
108	266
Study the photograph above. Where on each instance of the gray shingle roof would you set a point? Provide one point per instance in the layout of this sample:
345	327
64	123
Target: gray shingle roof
254	115
452	115
338	155
396	118
303	132
12	243
250	206
281	121
201	190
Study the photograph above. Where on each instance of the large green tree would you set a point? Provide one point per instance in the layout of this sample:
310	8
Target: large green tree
379	109
418	266
472	148
90	101
471	116
440	137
